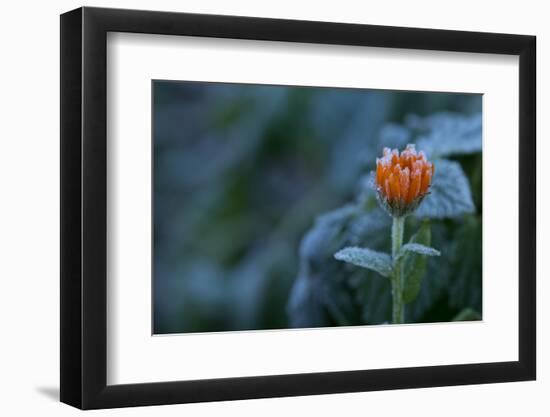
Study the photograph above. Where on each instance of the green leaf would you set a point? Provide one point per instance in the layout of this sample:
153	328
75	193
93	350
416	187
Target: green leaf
468	314
418	249
414	264
325	237
366	258
450	195
465	289
435	282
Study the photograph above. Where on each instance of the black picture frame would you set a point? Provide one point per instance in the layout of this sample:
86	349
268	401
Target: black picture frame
84	207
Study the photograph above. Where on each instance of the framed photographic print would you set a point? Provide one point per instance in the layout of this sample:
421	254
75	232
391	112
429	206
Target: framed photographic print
258	207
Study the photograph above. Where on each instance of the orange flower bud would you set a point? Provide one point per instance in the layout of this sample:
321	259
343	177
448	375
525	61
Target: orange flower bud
402	180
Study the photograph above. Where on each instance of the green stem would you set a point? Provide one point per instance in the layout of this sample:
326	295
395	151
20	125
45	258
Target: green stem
398	311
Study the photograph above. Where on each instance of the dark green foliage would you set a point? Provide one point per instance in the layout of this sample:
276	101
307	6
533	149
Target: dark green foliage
466	277
414	265
241	172
436	289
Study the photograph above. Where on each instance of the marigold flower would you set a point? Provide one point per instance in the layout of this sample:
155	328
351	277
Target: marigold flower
402	180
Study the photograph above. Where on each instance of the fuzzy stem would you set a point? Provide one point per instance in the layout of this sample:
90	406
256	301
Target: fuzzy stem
398	311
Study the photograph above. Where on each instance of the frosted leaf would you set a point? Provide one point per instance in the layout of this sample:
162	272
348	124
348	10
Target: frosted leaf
366	258
419	249
449	134
449	195
317	242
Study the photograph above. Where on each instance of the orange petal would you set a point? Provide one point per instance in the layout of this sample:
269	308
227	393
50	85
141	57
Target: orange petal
426	180
378	172
385	173
410	160
394	186
414	188
404	181
396	170
387	189
395	157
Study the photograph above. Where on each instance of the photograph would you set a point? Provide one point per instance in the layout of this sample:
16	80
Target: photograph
279	207
265	209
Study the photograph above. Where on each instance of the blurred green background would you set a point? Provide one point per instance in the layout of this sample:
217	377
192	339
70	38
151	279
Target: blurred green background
241	172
